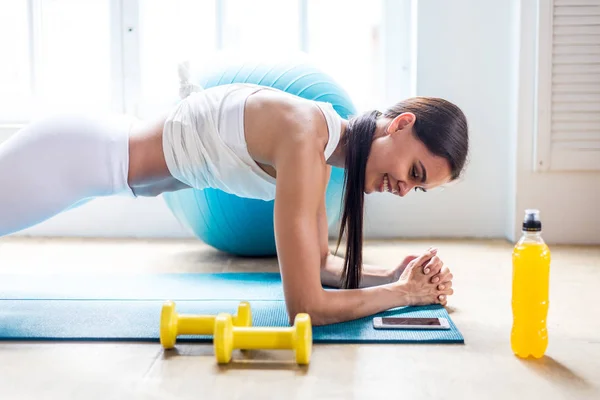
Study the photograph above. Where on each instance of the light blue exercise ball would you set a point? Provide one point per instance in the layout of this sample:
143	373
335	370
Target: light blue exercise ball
243	226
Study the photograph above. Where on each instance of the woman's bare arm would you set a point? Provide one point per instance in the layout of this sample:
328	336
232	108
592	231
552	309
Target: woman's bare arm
301	183
372	275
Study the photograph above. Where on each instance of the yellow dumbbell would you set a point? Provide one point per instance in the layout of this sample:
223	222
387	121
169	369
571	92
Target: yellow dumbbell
173	324
228	337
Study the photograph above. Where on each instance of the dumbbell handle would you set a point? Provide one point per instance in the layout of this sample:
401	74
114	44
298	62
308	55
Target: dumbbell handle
190	325
263	338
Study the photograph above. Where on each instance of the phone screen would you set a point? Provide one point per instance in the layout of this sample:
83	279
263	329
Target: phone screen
410	321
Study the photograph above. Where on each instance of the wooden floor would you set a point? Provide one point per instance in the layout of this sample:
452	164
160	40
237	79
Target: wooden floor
482	368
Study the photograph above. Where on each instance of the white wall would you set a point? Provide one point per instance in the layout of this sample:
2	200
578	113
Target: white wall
569	202
466	54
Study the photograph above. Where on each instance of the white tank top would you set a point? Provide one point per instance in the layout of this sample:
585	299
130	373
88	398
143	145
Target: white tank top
205	146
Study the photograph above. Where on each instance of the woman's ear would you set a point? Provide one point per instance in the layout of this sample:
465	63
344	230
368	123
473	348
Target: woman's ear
402	122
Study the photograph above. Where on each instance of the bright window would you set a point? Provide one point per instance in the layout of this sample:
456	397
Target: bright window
15	73
122	55
345	37
55	56
262	25
73	68
171	31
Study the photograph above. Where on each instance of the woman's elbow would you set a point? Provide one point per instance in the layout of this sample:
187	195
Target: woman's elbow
314	308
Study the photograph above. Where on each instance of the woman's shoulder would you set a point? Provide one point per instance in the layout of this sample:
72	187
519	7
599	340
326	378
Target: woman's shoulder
284	120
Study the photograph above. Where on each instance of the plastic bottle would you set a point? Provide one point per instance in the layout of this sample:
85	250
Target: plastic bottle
531	280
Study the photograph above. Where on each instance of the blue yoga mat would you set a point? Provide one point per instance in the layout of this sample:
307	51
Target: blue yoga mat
105	307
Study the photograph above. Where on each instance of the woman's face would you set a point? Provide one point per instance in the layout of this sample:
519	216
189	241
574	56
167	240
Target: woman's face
399	162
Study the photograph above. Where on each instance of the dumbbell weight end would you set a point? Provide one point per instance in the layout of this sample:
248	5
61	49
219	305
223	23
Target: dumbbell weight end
173	324
228	337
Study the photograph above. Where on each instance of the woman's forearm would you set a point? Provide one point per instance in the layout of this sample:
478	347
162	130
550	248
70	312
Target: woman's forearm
344	305
372	275
413	287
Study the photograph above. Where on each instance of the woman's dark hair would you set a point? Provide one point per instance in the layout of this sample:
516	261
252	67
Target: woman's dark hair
439	124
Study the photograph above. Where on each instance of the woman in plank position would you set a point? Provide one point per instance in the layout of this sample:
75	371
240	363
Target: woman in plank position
257	142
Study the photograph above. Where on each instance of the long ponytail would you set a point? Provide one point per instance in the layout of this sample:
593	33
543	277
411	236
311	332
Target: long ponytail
357	141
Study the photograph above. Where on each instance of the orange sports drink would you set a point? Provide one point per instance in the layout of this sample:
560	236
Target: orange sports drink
531	280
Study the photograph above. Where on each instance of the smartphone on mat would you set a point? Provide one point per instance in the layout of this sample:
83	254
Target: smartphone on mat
410	323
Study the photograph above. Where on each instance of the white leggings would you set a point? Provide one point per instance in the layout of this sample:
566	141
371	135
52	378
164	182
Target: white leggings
56	162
